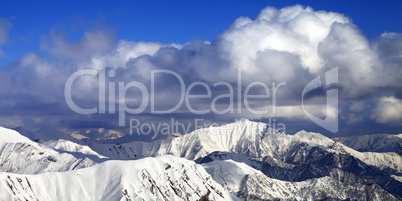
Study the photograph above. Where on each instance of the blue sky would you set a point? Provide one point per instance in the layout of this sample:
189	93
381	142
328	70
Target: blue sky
167	21
43	43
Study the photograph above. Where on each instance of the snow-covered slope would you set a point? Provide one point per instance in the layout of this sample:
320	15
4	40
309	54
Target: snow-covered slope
250	139
12	136
68	146
240	137
247	158
18	154
374	143
251	184
27	133
162	178
299	157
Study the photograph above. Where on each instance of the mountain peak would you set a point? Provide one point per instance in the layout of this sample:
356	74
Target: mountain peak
12	136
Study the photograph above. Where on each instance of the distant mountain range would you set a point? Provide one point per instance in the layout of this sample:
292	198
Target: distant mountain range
374	143
243	160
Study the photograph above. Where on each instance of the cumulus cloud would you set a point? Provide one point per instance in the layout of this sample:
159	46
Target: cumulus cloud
125	51
295	30
93	43
293	45
389	49
388	110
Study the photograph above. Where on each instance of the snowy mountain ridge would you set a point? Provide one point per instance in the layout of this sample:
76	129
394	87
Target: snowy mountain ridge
18	154
374	143
161	178
251	139
241	179
244	158
68	146
301	157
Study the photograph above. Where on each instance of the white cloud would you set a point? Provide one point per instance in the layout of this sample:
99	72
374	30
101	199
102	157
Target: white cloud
357	106
5	26
124	51
295	30
93	43
389	49
293	44
388	110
